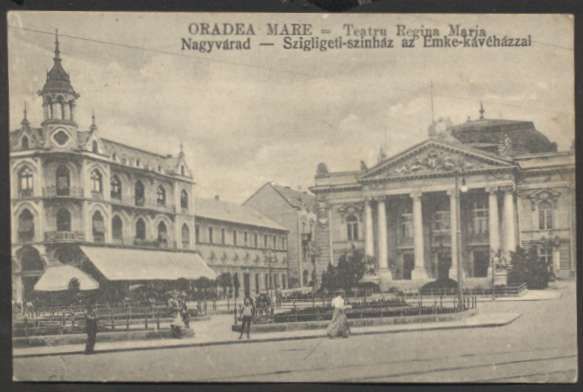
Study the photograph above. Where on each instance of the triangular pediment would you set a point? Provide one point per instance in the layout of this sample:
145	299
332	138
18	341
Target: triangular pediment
434	157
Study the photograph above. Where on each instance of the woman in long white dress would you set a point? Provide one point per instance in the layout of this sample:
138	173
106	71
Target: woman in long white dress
339	324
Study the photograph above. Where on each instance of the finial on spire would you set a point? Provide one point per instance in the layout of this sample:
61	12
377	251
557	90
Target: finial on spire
57	51
482	111
93	124
24	121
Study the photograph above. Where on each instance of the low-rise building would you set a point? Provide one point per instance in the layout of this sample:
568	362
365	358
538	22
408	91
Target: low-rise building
241	241
294	210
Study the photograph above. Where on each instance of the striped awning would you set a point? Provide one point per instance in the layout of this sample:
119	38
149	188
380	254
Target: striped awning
62	277
123	264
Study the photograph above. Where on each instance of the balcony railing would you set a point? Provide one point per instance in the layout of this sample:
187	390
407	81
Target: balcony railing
25	193
64	236
52	191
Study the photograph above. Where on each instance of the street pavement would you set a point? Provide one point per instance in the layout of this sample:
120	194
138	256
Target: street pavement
540	346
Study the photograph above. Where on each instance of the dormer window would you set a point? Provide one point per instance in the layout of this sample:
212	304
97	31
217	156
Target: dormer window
114	156
24	143
94	147
137	162
182	170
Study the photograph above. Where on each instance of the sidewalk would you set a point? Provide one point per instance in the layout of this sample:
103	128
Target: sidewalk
530	295
216	332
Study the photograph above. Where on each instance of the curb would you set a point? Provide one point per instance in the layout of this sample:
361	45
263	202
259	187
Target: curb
268	340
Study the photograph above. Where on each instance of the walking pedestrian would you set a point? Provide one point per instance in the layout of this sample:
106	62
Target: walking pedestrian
91	329
247	313
339	324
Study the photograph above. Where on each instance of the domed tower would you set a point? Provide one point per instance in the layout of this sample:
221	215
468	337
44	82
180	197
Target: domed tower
59	101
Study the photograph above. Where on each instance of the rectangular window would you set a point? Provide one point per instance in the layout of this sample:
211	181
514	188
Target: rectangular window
245	239
406	226
545	216
211	235
441	222
197	233
265	241
235	237
255	244
223	236
479	223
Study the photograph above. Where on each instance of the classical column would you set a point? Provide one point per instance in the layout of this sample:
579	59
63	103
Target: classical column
382	233
369	245
453	217
419	272
493	224
509	223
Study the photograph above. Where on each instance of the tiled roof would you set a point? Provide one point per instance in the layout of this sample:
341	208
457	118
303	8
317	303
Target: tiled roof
234	213
296	198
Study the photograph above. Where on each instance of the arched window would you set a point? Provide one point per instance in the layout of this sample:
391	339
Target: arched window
140	229
545	215
94	147
25	181
63	181
183	200
161	196
162	235
24	143
63	220
117	228
98	227
96	182
305	277
25	226
185	236
139	193
352	228
115	188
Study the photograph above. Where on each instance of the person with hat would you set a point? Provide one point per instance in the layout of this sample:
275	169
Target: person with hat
339	324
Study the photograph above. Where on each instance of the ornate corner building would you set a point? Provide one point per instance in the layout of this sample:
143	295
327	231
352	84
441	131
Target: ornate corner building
474	192
72	189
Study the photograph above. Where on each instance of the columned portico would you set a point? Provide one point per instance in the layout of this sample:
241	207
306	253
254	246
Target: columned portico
453	215
419	272
383	259
509	223
369	241
493	224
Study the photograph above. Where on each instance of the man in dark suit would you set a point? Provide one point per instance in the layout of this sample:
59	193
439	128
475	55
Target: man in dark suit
91	329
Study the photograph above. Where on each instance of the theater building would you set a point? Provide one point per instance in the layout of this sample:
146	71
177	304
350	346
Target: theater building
77	197
474	191
242	242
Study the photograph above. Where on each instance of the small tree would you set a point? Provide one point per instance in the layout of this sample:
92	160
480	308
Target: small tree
529	268
346	275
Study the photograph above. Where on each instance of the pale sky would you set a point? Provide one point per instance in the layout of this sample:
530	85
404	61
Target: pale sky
269	114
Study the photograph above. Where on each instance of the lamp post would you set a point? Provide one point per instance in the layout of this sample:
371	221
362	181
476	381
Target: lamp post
458	189
269	257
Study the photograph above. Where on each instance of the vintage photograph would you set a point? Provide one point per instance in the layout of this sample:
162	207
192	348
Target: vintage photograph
238	197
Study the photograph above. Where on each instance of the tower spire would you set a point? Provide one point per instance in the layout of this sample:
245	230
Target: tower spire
431	97
181	148
482	111
57	50
24	121
93	125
